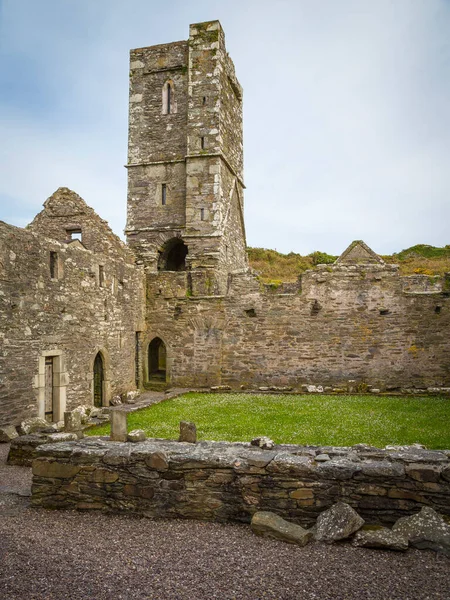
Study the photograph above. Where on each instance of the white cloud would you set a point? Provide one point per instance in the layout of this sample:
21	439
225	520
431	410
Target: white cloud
347	128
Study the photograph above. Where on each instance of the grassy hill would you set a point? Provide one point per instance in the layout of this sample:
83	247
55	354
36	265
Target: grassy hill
275	267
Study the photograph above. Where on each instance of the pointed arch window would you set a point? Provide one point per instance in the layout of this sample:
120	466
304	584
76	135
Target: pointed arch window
169	105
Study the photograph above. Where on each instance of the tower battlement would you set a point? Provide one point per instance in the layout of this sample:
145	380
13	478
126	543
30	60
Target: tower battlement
185	158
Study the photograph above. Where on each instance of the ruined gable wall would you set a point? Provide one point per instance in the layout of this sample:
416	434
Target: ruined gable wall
72	315
346	323
65	210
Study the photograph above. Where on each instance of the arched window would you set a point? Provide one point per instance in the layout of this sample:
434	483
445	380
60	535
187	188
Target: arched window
169	106
99	378
172	257
157	359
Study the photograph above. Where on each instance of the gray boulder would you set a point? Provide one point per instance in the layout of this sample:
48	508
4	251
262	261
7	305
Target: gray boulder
137	435
382	538
33	425
426	529
268	524
7	434
337	523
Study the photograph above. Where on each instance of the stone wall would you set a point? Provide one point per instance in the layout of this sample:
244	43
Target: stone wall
223	481
340	323
87	301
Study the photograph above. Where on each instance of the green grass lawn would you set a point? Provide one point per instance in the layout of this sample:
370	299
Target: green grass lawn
315	420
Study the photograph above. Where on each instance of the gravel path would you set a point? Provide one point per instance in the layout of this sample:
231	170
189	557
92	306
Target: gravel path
70	555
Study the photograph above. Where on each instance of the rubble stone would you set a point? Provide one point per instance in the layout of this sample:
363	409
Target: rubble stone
268	524
426	529
188	432
337	523
382	538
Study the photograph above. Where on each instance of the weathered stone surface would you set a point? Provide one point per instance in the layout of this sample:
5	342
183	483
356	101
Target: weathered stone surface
225	481
382	469
53	469
84	412
268	524
136	435
426	529
118	426
382	538
7	434
421	472
53	438
263	442
337	523
72	421
322	458
33	425
158	461
188	432
131	397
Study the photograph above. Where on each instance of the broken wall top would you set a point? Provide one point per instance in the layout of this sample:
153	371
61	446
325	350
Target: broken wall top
65	212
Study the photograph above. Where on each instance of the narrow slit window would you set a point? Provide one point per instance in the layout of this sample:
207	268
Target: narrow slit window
54	265
101	275
204	100
169	98
202	214
163	194
202	142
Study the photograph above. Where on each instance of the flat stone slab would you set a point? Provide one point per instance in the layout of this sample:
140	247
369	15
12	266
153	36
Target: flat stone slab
382	538
268	524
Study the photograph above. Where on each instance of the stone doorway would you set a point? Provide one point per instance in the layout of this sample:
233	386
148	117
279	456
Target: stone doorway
99	378
157	359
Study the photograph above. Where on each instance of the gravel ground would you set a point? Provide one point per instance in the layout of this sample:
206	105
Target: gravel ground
71	555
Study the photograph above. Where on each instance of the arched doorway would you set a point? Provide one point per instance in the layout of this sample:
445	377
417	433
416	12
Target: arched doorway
157	359
173	256
99	378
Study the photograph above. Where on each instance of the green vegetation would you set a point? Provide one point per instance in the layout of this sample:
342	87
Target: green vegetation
274	266
335	420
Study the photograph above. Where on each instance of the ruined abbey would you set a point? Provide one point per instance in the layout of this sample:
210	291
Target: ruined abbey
85	317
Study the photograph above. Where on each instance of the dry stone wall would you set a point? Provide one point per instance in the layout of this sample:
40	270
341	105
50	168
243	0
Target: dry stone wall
223	481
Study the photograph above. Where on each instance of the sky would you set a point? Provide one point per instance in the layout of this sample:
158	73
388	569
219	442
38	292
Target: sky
346	112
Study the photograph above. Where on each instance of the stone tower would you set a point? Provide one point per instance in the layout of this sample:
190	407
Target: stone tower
185	160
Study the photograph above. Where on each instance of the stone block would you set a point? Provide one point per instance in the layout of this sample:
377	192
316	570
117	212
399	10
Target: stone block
381	538
157	461
53	469
188	432
7	434
137	435
33	425
268	524
424	473
72	421
118	426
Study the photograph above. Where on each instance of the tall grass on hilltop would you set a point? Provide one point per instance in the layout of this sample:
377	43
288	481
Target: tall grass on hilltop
275	267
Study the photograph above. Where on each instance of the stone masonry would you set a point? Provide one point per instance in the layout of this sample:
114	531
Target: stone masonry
231	481
85	317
